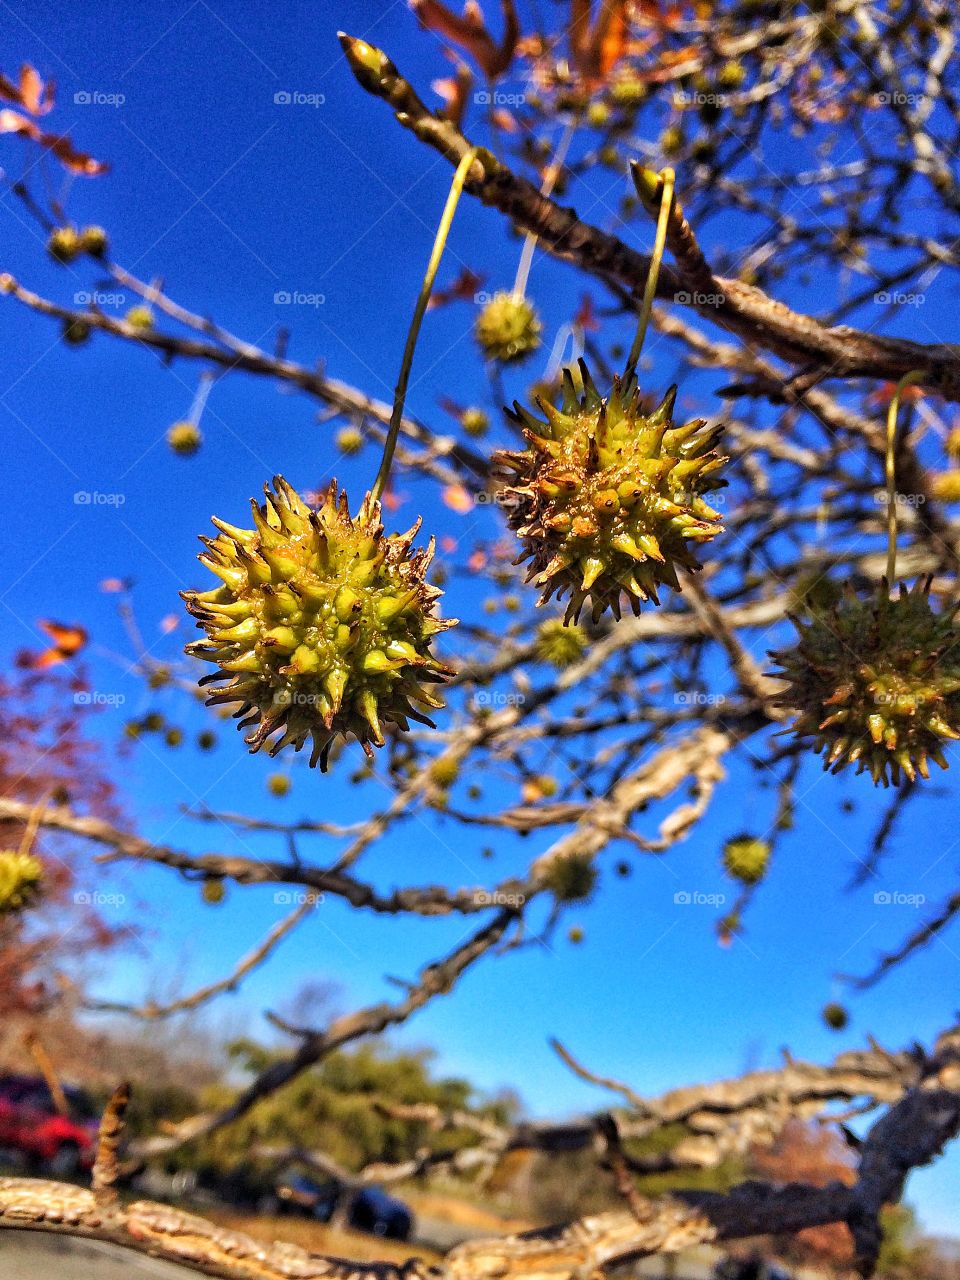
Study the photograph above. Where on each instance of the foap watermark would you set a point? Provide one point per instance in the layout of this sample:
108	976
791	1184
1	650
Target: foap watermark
298	298
98	298
683	99
695	898
698	299
898	98
497	898
95	898
496	98
298	898
98	98
297	98
896	898
97	698
697	698
94	498
882	499
486	698
898	298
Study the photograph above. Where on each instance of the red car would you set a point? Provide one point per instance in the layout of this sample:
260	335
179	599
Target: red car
31	1125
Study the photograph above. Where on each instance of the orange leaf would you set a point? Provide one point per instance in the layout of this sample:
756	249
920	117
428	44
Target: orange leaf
35	96
14	122
67	637
458	499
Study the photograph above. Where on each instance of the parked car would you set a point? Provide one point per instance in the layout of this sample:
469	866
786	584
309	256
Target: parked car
369	1209
31	1126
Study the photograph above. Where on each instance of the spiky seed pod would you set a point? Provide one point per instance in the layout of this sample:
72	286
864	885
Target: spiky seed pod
278	784
746	858
876	681
732	75
93	240
140	316
152	722
945	485
184	439
571	879
206	740
349	441
21	879
607	500
575	935
560	645
444	772
813	592
475	422
323	625
835	1016
64	244
508	328
173	737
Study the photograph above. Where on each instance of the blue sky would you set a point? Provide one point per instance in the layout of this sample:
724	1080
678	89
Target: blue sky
232	198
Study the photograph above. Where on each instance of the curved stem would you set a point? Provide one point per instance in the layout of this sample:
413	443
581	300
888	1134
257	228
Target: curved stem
908	379
668	177
443	230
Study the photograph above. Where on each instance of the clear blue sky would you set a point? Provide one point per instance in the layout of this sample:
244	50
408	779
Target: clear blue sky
232	198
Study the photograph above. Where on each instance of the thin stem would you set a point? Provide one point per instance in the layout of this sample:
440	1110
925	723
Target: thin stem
549	182
668	177
443	230
908	379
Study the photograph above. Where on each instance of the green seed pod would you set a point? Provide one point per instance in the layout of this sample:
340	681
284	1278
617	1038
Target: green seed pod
349	441
184	438
140	316
876	682
575	935
213	891
93	240
76	332
945	485
21	881
835	1016
173	737
571	879
560	645
278	784
607	501
64	244
475	422
444	772
508	328
745	858
322	627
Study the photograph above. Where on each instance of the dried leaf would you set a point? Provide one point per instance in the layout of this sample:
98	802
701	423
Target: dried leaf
468	31
463	289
